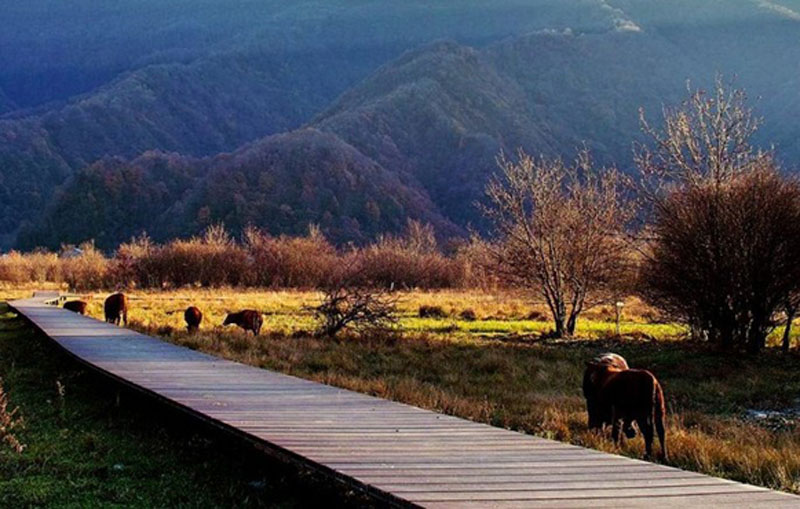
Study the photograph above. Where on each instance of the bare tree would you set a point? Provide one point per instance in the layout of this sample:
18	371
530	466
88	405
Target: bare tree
722	248
560	231
352	306
705	140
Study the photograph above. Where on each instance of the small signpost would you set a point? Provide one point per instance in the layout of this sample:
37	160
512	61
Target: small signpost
619	305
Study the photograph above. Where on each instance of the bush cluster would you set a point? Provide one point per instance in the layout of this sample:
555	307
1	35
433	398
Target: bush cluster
258	259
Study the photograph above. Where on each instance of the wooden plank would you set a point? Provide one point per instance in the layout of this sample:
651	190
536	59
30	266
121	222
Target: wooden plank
548	486
737	500
710	489
405	455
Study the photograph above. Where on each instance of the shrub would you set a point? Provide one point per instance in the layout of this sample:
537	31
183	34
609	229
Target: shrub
725	258
409	261
212	260
85	268
9	422
291	262
726	232
479	269
215	259
36	267
352	306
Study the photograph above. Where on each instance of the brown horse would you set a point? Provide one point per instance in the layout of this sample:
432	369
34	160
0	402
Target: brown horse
598	418
115	309
76	306
629	395
248	319
193	317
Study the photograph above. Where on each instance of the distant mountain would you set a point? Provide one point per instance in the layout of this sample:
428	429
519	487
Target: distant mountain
210	106
443	113
282	184
199	77
52	51
366	144
115	199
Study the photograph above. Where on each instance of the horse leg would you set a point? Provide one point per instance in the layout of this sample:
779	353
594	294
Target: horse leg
628	429
615	434
646	426
661	438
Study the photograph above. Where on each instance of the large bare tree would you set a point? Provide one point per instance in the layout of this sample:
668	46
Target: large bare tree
559	231
722	250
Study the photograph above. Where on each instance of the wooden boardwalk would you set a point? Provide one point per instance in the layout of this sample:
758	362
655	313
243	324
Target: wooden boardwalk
401	454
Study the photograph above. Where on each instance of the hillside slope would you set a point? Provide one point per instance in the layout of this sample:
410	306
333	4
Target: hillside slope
281	184
429	123
200	78
207	107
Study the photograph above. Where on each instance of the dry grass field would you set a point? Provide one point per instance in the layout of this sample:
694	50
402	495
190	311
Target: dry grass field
499	369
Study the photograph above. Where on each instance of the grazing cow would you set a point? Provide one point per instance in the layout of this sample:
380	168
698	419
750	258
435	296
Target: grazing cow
598	419
193	317
116	309
248	319
76	306
630	395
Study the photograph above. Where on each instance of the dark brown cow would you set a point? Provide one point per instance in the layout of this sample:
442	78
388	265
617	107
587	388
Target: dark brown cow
248	319
116	309
76	306
630	395
193	317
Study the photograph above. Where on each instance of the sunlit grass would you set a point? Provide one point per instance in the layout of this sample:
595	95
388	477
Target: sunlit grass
500	370
287	312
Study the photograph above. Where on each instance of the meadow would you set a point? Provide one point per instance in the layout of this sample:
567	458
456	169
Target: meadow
501	368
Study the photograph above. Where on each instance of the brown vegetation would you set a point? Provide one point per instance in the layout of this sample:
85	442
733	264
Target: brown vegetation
259	260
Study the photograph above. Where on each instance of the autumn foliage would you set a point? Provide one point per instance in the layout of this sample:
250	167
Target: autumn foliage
257	259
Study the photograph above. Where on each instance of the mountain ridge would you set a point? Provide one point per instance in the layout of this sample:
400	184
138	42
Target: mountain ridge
430	121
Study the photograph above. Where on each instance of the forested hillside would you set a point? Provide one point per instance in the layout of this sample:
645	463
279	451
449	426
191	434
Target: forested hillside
383	122
282	183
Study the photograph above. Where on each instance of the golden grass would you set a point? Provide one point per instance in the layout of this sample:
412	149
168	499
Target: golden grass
495	370
11	291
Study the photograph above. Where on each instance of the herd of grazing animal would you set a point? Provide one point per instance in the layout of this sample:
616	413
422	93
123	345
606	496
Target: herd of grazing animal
615	394
115	310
